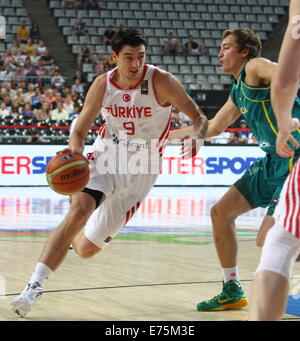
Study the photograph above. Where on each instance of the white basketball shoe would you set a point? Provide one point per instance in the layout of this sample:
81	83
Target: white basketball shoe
21	305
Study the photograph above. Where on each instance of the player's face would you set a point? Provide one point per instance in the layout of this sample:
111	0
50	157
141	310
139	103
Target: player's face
230	57
130	61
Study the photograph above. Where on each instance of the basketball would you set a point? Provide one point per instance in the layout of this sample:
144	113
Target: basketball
67	172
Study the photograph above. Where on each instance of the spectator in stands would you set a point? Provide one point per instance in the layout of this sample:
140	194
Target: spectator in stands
59	113
57	80
19	76
46	59
34	58
110	62
10	91
30	92
27	112
43	113
23	32
44	78
41	48
50	98
108	35
8	102
80	75
79	27
32	75
91	4
15	47
8	59
252	139
235	137
191	47
35	137
244	133
100	64
15	109
7	74
29	47
69	4
34	32
85	56
75	112
36	99
69	104
77	86
172	47
4	110
175	120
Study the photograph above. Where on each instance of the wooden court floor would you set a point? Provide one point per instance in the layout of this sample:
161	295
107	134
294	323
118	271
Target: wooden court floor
134	279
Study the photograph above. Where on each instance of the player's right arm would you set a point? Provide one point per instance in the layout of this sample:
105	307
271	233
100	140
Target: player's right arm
91	108
222	120
285	82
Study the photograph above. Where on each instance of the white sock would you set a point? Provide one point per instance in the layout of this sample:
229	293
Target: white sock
230	274
41	272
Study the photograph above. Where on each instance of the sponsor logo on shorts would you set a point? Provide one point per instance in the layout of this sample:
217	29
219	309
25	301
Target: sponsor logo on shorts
108	239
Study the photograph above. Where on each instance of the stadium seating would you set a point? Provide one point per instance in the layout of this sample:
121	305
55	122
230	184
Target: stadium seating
205	20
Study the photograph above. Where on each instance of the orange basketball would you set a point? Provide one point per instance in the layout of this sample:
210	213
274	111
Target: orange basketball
67	172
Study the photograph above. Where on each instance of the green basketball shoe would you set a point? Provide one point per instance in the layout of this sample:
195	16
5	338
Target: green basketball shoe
231	297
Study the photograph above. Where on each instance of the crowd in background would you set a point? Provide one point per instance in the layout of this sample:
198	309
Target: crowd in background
32	87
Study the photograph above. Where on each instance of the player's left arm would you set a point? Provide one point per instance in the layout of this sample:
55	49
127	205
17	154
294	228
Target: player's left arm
171	91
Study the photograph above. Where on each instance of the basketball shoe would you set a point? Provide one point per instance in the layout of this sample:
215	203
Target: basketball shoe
231	297
21	305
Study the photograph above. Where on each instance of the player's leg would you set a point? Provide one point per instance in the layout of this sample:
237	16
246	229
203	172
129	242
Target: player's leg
56	248
265	226
223	215
270	285
83	246
54	251
268	296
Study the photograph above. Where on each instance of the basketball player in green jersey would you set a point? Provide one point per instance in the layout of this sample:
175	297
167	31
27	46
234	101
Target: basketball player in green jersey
261	184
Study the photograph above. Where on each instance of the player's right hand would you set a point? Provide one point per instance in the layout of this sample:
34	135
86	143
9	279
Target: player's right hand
285	136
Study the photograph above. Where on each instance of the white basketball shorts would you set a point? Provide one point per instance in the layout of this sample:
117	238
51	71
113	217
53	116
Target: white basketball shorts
123	195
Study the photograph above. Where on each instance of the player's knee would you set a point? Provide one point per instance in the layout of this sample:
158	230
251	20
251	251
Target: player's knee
78	216
86	253
219	213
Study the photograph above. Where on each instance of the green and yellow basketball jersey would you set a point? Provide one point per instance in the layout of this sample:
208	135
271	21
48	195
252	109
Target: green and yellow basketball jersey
254	103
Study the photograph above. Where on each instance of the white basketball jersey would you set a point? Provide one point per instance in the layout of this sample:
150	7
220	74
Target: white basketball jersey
134	117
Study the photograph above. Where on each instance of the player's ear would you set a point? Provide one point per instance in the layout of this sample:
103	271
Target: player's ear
114	56
245	52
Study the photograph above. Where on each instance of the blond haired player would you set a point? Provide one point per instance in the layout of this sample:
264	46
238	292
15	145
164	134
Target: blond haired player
282	245
135	100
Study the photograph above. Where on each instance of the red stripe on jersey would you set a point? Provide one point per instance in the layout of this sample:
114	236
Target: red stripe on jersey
127	217
102	130
296	211
287	202
167	128
138	205
290	202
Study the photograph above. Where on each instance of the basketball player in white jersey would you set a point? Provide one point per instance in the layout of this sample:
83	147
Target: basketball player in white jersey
271	282
135	99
